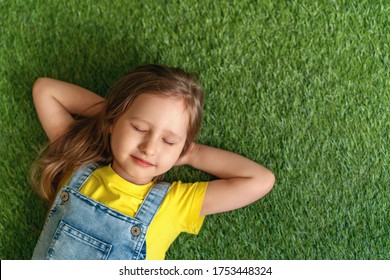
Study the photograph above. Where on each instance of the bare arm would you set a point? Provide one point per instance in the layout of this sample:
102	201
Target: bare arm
242	181
56	102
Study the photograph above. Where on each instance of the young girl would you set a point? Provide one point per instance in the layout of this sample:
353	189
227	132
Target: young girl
102	168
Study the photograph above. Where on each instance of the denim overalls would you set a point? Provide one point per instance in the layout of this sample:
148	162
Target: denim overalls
79	227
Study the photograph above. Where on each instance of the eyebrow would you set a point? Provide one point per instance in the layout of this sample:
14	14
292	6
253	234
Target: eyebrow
166	130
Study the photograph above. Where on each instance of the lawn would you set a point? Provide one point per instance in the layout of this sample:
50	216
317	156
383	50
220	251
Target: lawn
301	87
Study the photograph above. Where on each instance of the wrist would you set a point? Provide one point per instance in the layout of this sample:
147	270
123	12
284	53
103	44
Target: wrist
188	157
192	154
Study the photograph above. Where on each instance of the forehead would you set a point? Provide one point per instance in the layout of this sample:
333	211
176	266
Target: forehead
161	111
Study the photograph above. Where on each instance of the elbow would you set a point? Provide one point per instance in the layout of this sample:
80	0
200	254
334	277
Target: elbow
268	181
265	183
39	86
272	180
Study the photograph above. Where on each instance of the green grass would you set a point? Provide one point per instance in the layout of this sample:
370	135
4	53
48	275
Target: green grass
299	86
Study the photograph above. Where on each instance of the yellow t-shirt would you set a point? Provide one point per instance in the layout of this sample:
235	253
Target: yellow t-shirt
179	211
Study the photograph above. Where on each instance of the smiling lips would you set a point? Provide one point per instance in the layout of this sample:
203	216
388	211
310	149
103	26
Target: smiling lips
142	162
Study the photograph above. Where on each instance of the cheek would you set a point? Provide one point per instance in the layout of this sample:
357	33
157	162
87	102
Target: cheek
172	155
119	140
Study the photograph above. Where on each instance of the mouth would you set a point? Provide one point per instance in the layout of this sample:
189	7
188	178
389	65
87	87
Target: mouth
142	162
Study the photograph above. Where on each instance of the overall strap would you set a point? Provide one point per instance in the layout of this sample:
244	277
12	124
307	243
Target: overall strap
81	175
152	202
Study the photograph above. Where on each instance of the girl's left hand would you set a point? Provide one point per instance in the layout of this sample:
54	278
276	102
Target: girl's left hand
185	159
241	180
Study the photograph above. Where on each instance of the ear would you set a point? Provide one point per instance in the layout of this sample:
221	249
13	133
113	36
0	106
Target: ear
110	127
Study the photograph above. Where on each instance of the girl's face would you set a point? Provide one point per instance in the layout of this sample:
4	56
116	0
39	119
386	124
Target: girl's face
147	140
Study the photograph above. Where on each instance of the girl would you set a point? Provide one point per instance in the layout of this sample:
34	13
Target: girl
101	171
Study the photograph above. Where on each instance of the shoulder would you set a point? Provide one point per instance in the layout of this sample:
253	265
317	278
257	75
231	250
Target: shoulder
93	180
185	187
183	204
187	191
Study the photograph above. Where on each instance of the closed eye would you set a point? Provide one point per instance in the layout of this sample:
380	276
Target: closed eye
139	129
168	142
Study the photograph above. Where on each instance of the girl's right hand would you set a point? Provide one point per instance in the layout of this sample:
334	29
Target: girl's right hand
56	102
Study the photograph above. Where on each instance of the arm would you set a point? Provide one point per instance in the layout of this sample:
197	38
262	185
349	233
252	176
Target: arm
56	102
242	181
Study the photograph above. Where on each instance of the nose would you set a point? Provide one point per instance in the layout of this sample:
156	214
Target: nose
148	146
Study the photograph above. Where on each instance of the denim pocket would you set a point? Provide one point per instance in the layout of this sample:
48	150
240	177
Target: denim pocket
69	243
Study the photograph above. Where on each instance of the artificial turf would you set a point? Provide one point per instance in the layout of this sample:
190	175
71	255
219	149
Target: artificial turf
301	87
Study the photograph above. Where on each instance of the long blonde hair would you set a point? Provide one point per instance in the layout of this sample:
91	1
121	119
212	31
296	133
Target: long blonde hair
88	139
